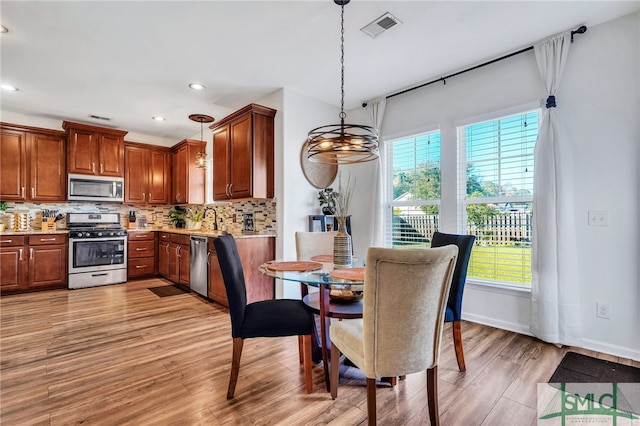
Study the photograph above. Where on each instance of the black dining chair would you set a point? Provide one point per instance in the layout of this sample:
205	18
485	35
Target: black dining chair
266	318
453	312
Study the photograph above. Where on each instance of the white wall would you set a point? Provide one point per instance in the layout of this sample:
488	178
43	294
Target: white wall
599	103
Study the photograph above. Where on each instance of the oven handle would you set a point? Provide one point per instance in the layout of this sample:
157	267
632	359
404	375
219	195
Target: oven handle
99	275
121	238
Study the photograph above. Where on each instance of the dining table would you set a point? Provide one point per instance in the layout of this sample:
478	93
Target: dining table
340	291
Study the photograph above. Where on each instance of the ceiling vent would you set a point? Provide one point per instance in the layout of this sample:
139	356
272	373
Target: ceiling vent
380	25
97	117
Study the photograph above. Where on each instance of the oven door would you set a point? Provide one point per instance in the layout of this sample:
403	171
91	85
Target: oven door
97	254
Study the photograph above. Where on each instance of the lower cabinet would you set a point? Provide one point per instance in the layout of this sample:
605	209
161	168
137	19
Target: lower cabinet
33	262
173	257
141	254
253	252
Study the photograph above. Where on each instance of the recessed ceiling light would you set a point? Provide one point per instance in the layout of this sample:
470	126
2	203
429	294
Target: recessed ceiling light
8	88
197	86
158	118
3	29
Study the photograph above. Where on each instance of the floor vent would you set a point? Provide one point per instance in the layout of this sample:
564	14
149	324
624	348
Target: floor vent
380	25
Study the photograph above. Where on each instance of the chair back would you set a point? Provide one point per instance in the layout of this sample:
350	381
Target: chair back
313	243
405	294
233	277
465	244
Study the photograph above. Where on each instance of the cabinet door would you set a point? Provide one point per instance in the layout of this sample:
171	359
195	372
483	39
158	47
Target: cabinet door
111	154
217	292
159	177
221	163
83	152
180	176
13	165
136	175
173	262
163	258
241	157
184	265
47	266
13	268
47	165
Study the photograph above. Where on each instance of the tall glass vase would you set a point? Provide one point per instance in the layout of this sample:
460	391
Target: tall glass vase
342	252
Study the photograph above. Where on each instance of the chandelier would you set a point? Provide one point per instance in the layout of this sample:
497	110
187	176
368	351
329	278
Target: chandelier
201	156
342	143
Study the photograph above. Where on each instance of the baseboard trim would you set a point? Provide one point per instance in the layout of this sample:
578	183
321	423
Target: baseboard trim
493	322
610	349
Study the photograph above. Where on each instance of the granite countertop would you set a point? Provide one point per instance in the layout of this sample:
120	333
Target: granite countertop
204	233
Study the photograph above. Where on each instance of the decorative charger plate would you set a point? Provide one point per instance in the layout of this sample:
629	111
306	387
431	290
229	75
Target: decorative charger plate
319	175
353	274
300	266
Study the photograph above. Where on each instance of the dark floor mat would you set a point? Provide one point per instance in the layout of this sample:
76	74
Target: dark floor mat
167	290
578	368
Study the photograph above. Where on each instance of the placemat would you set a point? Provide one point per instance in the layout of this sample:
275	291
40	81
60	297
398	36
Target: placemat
299	265
353	274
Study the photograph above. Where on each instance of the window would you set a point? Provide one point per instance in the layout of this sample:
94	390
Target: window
496	194
415	186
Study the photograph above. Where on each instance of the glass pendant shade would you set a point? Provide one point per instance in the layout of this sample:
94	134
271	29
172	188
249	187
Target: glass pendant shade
201	156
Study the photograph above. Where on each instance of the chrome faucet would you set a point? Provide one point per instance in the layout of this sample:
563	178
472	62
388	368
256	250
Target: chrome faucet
215	217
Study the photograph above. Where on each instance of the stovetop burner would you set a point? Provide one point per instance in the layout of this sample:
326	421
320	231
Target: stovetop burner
94	225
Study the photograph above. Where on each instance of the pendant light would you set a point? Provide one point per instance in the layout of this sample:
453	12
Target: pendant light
343	143
201	156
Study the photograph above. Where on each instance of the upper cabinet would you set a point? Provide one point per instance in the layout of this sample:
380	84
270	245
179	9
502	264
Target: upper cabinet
188	180
32	164
147	174
95	150
243	154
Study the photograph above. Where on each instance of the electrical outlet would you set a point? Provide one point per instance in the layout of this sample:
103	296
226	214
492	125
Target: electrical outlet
602	310
598	218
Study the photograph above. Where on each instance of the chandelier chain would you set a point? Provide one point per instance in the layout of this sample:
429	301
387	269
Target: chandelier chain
342	114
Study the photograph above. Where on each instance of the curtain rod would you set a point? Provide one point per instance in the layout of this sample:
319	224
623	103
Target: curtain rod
580	30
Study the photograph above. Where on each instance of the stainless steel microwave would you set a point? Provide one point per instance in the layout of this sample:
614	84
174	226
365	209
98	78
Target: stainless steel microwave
95	188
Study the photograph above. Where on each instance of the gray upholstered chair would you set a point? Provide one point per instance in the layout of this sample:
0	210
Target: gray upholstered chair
405	296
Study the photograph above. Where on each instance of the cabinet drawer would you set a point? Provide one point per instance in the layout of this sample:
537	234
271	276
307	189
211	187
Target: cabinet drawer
139	236
49	239
11	241
139	249
140	267
163	236
181	239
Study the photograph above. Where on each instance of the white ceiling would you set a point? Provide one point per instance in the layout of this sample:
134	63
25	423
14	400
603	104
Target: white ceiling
131	60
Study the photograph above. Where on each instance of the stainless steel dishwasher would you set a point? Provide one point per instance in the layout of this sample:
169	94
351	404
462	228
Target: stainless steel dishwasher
198	267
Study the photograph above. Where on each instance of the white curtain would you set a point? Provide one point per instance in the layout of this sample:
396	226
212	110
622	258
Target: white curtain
376	237
555	293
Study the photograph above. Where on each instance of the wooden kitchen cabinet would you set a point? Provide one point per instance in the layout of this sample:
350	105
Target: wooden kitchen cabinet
163	254
141	254
33	262
147	177
173	257
253	253
48	256
94	150
33	164
243	154
13	269
188	180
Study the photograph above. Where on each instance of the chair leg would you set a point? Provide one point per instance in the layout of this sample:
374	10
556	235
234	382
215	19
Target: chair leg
301	349
371	401
457	342
306	349
335	371
235	366
432	395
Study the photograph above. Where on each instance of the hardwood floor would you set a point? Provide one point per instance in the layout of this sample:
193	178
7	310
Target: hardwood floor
122	355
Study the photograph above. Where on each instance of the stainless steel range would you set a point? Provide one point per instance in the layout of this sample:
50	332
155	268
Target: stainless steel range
97	249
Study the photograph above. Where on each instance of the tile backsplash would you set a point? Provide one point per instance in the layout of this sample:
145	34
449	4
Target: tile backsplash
230	215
